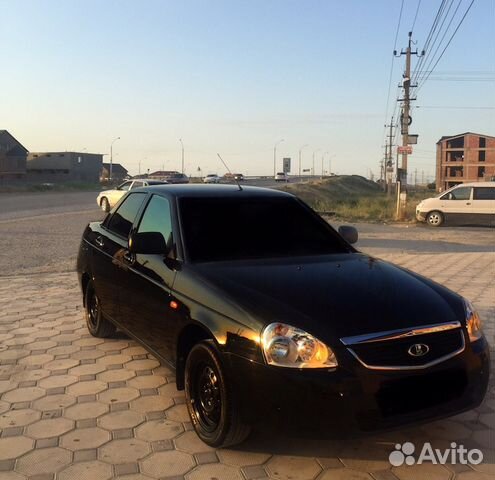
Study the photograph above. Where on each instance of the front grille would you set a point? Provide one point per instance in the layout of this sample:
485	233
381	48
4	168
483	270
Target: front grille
395	353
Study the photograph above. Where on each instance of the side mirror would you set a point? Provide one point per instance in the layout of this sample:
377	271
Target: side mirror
349	234
147	243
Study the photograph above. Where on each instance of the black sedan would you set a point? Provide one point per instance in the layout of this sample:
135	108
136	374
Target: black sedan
266	311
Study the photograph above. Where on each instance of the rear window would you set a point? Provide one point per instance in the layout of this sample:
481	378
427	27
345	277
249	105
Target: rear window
219	229
484	193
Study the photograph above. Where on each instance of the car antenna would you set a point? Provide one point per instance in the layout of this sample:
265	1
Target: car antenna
228	170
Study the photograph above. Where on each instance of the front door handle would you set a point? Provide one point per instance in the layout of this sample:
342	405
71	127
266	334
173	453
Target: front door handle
99	241
468	203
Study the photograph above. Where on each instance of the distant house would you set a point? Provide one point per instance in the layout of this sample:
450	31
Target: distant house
119	173
57	167
467	157
161	174
12	158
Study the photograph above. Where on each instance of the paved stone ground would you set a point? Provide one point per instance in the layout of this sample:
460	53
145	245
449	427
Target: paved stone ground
76	407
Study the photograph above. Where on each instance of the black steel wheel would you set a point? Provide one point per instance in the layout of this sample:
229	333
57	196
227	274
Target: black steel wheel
211	401
97	324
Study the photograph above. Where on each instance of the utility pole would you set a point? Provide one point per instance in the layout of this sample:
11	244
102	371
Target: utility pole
300	150
275	157
182	147
422	177
313	169
415	177
405	121
389	164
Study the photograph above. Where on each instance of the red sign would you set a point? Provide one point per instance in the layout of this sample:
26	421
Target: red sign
407	149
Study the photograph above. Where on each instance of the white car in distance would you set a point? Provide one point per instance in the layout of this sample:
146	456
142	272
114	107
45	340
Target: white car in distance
211	178
107	199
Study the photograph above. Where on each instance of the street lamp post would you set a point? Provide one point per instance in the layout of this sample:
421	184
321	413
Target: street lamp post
313	169
182	145
322	164
275	156
300	150
111	158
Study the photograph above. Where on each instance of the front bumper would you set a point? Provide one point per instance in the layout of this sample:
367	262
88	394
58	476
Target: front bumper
420	216
360	398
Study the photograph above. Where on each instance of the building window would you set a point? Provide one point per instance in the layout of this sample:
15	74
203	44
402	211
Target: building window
482	142
456	143
481	172
455	156
481	155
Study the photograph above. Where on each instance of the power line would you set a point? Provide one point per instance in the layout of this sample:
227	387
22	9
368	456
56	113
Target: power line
448	43
416	15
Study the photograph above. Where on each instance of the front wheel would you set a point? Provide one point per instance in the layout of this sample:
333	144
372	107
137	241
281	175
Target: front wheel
434	219
97	324
211	401
105	204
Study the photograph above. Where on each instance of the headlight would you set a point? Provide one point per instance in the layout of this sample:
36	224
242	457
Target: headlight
287	346
473	322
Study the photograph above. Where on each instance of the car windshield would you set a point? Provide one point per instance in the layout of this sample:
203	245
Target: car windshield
219	229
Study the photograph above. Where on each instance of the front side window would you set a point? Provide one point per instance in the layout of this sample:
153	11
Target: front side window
222	229
121	221
462	193
136	185
157	218
125	186
484	193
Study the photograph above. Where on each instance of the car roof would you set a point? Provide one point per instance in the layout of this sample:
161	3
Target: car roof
477	184
200	190
155	182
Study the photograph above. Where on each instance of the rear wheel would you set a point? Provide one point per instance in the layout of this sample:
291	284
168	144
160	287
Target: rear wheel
210	398
434	219
97	324
105	204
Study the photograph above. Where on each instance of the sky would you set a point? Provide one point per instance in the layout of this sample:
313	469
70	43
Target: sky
236	77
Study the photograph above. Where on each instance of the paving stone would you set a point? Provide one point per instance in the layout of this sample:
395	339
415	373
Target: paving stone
124	451
44	460
178	413
242	458
126	469
119	420
169	463
54	402
159	430
204	458
282	467
46	442
142	364
12	432
119	375
114	359
122	433
87	388
115	395
425	470
215	470
53	427
82	411
191	443
57	381
253	472
85	438
345	474
94	470
151	403
18	418
27	394
85	455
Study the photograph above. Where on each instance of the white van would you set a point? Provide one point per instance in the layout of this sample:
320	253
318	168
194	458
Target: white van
467	203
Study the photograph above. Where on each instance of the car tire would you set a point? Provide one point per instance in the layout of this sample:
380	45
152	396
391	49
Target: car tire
211	400
434	219
97	324
105	204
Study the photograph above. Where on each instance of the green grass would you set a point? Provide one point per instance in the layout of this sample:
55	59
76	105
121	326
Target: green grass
354	198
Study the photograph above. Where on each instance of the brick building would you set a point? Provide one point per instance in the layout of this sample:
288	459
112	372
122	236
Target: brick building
467	157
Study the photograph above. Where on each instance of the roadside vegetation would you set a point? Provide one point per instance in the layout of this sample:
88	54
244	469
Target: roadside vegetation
354	198
51	187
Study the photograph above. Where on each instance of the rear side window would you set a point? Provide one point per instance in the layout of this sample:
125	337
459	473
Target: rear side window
121	221
484	193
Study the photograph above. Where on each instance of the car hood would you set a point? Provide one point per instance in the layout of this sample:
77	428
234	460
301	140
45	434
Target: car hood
335	295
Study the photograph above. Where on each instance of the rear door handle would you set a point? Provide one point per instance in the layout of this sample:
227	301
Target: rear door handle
99	241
